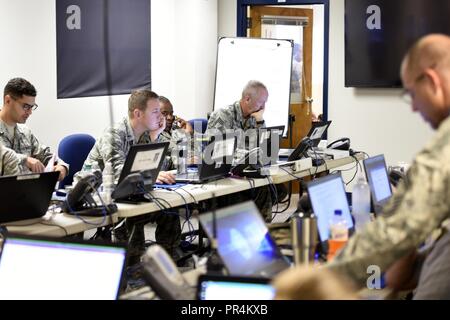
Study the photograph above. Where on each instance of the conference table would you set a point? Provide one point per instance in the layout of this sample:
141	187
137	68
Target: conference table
55	224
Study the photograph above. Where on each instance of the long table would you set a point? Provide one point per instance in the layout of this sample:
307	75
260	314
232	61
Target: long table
61	224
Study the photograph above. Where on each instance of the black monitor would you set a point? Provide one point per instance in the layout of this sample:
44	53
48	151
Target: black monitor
145	158
378	179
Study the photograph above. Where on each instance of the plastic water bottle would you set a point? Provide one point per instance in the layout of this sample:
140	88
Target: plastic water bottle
361	202
182	157
338	234
108	183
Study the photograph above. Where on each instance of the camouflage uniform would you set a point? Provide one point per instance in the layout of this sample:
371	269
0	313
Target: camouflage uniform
415	210
231	118
113	147
9	162
25	144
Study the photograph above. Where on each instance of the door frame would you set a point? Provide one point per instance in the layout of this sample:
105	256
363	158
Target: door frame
241	31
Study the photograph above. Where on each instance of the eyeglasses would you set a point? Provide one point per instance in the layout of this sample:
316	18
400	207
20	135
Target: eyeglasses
25	106
407	96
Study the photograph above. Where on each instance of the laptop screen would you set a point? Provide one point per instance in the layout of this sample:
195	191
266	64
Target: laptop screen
317	132
33	268
378	179
145	157
234	288
327	194
243	240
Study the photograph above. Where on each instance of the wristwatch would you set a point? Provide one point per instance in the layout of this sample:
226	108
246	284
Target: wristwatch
260	122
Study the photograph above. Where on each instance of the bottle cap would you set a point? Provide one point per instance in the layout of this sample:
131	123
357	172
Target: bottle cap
338	212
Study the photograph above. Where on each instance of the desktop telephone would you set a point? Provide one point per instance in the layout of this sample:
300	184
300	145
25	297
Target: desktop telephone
243	168
340	144
80	199
163	276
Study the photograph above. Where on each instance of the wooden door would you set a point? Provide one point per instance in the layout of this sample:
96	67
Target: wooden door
300	109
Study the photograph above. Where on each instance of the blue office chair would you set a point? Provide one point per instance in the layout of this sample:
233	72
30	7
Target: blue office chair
74	149
199	124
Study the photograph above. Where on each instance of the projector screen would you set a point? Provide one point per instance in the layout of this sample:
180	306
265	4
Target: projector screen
267	60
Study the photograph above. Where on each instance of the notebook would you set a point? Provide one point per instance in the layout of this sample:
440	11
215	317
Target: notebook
58	269
218	287
243	241
26	196
327	194
378	179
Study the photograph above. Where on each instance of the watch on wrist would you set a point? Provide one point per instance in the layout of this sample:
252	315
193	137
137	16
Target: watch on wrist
260	122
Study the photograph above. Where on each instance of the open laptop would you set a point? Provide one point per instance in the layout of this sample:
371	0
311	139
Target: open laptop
219	287
146	158
26	196
327	194
269	139
378	179
59	269
216	161
314	136
243	241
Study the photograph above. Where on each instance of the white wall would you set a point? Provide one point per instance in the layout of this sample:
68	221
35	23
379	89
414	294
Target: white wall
184	40
375	120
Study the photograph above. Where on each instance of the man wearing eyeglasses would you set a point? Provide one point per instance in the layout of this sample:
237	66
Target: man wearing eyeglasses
18	104
419	210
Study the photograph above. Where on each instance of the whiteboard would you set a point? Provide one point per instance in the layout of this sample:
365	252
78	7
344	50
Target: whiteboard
267	60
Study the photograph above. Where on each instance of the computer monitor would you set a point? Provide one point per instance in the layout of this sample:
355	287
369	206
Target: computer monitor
378	179
145	158
34	268
218	287
327	194
243	241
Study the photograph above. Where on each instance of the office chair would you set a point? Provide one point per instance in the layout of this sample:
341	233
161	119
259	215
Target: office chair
74	149
199	124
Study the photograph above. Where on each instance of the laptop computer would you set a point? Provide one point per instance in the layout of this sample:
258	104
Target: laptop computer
378	179
219	287
269	139
327	194
314	136
243	241
147	158
216	161
26	196
58	269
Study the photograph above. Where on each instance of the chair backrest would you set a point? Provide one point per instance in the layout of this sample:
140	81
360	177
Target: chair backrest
74	149
199	124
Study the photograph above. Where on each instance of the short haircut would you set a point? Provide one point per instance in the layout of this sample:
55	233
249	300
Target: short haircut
18	87
139	99
252	87
166	101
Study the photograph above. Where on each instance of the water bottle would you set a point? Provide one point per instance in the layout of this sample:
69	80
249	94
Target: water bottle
108	183
182	157
338	234
361	202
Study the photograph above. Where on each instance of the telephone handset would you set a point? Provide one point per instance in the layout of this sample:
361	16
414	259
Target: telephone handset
163	276
80	197
340	144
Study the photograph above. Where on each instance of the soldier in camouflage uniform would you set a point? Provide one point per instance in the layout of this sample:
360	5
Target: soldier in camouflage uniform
143	124
9	162
420	206
244	115
18	103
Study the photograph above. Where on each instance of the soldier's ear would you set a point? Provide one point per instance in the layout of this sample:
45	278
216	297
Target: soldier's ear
137	113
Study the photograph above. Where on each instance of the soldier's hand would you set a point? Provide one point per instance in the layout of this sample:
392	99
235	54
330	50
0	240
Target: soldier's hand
258	115
165	177
35	165
62	171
